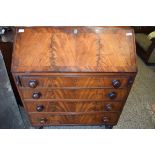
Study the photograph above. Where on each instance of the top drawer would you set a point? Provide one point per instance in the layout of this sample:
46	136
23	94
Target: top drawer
75	81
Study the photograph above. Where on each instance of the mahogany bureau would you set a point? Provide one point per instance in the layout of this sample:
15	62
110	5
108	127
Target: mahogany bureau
74	75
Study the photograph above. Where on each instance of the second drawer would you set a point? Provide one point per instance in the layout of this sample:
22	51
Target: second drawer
101	94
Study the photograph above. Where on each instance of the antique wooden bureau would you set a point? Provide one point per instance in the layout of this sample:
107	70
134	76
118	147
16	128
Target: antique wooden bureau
74	75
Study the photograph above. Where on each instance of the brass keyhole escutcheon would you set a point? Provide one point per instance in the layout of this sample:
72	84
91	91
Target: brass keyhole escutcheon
75	31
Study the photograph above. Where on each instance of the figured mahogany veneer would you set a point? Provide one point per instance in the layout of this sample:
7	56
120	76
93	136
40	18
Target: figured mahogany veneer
74	75
77	119
73	106
74	49
96	94
74	81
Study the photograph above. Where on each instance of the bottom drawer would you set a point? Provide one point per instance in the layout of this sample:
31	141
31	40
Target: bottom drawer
74	119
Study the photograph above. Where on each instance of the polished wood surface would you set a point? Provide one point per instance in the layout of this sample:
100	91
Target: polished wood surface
71	119
74	75
74	81
81	49
48	93
85	106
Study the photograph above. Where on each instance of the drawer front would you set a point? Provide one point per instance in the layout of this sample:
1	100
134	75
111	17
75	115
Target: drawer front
102	94
94	81
77	119
45	106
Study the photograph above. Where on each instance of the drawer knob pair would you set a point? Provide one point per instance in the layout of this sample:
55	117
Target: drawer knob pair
40	108
116	83
108	107
33	83
105	119
43	120
36	95
112	95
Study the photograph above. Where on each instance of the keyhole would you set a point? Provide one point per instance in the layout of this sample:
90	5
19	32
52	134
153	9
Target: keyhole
75	31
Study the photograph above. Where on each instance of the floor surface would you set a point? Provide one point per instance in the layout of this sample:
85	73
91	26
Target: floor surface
135	114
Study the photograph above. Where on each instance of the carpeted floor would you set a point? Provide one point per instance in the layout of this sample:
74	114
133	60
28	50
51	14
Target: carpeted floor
135	114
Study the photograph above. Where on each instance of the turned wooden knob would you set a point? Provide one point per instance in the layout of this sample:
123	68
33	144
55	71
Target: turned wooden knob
105	119
36	95
40	108
33	83
112	95
116	83
108	107
43	120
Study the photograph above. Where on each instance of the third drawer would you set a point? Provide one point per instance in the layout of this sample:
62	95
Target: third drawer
64	106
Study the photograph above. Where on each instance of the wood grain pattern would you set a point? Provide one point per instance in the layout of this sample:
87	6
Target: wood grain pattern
74	81
65	75
91	106
101	94
60	50
75	74
78	119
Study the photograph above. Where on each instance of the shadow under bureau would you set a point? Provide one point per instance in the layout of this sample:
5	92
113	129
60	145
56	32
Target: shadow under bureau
74	75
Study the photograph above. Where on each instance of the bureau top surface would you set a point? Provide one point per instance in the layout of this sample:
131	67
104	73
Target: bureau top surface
74	49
